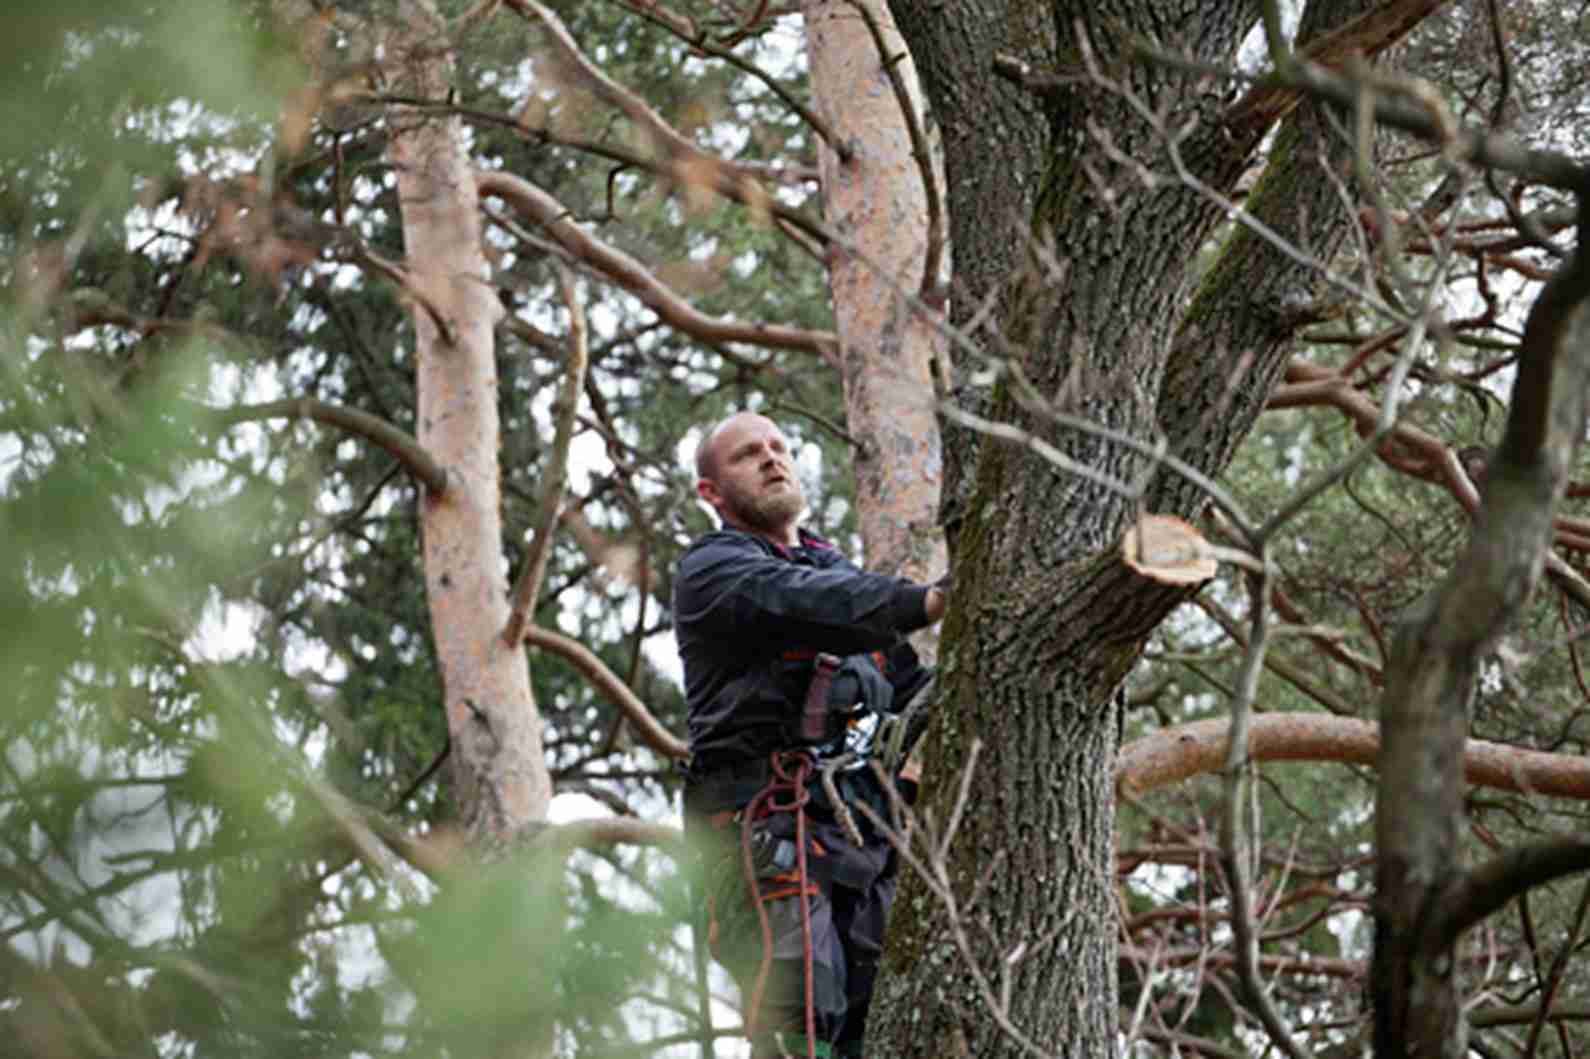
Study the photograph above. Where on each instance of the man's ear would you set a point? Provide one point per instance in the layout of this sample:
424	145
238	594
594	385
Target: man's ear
707	490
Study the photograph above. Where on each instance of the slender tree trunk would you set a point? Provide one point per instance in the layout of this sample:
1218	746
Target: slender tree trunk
499	772
1423	898
876	199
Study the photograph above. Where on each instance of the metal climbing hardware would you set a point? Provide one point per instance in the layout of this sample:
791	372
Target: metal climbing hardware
770	855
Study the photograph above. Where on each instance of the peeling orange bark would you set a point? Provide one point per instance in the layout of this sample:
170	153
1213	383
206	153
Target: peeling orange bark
875	198
499	771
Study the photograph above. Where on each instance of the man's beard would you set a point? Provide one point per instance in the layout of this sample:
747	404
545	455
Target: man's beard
768	512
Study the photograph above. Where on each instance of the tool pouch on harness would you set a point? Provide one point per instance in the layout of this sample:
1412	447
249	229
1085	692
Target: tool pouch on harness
830	691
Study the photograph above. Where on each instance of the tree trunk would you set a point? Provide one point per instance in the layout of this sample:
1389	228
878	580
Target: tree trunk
1047	622
499	772
995	140
876	200
1423	899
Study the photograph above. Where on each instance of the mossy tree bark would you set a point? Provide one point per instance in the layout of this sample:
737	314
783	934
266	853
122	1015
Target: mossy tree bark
1110	319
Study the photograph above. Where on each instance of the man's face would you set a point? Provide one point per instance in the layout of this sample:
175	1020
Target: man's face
753	484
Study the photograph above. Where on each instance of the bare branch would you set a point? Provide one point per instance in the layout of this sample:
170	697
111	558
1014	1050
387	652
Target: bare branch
1171	755
686	30
524	593
670	143
1491	886
1559	965
542	209
1412	451
1235	851
735	172
1430	683
372	428
1364	37
1419	114
932	867
606	681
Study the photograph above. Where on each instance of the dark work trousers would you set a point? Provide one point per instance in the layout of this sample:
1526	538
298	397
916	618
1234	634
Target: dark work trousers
859	918
849	892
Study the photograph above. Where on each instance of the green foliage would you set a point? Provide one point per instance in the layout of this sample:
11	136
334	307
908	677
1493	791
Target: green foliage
214	633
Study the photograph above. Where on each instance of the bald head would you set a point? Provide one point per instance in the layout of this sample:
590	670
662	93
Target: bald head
707	457
746	471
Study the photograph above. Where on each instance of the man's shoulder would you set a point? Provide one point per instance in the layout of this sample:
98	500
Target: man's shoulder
717	545
733	539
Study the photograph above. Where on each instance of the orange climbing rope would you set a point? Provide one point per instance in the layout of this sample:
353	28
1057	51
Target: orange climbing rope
785	793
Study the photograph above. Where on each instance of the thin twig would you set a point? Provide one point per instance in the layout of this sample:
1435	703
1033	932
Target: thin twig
557	471
1235	839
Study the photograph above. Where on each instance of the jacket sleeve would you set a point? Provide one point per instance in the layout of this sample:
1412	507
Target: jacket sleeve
729	587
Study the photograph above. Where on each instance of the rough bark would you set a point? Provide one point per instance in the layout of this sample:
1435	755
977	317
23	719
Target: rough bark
1047	621
1431	677
499	771
875	198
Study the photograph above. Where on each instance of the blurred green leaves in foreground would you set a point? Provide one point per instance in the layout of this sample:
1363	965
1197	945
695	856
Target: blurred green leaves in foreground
183	872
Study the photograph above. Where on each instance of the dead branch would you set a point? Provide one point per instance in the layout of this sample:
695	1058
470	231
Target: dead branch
1172	755
557	471
542	209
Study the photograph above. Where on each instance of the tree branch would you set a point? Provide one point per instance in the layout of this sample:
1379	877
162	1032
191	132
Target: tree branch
1364	37
406	282
1172	755
372	428
1430	682
551	507
1411	451
686	30
670	143
1491	886
606	681
1236	788
541	208
1422	114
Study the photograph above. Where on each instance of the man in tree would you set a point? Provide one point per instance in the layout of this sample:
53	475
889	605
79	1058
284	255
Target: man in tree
792	657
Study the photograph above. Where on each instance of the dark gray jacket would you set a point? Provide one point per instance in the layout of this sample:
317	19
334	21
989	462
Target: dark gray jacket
750	617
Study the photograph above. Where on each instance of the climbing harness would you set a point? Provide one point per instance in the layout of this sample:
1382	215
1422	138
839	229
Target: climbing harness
770	873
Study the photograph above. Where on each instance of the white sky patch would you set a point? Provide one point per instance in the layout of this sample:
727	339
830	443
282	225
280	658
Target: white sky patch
10	458
225	632
1254	55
